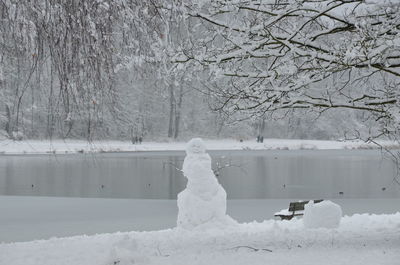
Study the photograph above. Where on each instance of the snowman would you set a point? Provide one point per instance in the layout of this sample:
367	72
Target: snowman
203	202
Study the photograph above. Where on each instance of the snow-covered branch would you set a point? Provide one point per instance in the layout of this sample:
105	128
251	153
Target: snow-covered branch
267	55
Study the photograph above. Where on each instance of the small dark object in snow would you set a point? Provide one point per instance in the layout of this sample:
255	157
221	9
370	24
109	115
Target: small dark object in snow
341	192
383	189
252	248
102	186
241	140
32	186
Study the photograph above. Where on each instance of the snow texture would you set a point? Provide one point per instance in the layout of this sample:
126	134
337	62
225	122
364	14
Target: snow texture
203	202
360	240
325	214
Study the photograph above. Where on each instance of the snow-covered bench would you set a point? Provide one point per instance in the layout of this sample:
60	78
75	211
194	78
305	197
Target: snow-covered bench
295	209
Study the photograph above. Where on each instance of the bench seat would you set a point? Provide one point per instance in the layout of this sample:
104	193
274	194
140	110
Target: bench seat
295	209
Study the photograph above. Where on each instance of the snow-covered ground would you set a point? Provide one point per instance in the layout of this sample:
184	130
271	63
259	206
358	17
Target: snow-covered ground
79	146
360	239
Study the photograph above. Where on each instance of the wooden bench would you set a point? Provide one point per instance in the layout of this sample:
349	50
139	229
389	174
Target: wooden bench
295	209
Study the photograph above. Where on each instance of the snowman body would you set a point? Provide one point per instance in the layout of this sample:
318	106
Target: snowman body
204	199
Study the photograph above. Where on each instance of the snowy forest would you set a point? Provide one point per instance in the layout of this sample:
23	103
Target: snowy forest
111	69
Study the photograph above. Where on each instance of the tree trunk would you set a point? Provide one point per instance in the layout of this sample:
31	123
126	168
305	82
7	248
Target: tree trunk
262	126
178	112
50	111
8	123
171	111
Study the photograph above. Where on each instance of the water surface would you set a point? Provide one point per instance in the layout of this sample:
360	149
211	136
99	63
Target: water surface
301	174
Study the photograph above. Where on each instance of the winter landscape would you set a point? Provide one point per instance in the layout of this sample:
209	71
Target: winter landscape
199	132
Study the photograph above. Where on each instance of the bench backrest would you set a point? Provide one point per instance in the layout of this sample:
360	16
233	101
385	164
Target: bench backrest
299	206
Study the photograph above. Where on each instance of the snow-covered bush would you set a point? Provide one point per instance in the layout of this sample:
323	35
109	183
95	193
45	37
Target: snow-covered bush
325	214
3	135
17	136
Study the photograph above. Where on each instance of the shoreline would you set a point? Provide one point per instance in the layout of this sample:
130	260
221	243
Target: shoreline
9	147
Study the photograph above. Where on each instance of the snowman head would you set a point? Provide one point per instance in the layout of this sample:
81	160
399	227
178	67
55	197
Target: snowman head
195	146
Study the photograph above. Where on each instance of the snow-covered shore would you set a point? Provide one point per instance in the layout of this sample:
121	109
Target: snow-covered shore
79	146
360	239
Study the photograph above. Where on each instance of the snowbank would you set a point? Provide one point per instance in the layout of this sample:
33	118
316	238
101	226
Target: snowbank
325	214
360	239
78	146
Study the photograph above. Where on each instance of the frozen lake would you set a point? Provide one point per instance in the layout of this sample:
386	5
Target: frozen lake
24	218
301	174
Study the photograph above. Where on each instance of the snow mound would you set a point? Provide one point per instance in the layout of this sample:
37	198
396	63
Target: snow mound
125	252
325	214
360	240
203	202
